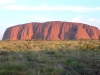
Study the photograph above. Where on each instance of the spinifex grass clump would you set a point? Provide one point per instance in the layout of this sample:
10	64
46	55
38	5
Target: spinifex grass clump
13	69
90	45
13	64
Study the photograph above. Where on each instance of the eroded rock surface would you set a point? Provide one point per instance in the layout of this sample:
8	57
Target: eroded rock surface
54	30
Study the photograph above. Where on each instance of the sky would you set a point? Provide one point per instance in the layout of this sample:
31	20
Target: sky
14	12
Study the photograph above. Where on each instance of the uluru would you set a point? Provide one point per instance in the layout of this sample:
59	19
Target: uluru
53	30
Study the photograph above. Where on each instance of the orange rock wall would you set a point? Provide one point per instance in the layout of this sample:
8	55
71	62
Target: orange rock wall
55	30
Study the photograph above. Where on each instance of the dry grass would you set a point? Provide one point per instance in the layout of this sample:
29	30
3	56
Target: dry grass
77	57
49	45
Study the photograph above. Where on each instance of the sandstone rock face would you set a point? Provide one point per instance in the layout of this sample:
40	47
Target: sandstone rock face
54	30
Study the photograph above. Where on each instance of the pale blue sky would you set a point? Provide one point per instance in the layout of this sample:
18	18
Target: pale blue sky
13	12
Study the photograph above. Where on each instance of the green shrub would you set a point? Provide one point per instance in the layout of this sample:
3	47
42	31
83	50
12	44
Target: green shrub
12	70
